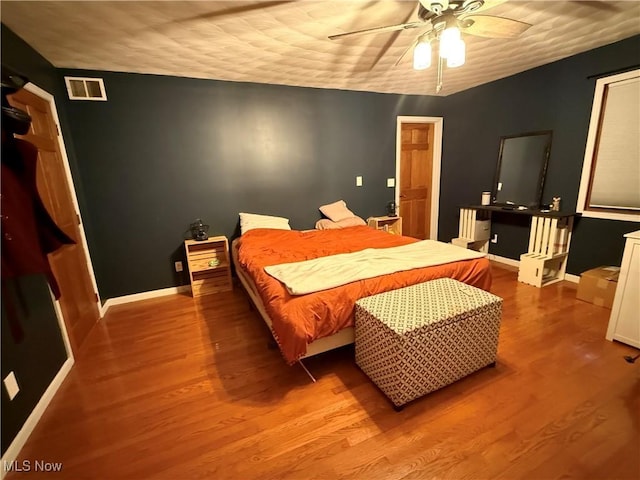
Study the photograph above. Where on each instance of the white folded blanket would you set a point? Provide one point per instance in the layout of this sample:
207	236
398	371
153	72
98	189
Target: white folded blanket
323	273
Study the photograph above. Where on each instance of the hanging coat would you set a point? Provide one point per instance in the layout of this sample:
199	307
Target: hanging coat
28	231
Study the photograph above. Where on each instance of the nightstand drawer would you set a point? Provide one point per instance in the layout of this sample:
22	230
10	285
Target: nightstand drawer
209	265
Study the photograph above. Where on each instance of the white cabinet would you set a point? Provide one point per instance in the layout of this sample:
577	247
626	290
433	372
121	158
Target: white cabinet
624	323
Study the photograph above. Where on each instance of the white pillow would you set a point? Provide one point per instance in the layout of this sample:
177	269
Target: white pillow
326	224
249	221
336	211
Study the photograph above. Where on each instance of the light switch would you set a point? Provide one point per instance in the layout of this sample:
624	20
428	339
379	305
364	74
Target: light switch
359	181
391	182
11	384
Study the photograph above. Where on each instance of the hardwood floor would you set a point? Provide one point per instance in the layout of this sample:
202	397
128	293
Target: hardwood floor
181	388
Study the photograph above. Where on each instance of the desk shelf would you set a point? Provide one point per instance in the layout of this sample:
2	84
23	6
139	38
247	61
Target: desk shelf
549	237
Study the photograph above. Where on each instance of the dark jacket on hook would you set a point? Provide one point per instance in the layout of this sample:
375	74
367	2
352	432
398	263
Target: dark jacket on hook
28	231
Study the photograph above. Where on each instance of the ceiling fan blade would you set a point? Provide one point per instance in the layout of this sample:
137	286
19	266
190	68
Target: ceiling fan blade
368	31
408	49
235	10
389	43
599	5
493	27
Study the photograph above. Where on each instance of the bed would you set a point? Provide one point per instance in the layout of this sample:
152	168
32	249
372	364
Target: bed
305	325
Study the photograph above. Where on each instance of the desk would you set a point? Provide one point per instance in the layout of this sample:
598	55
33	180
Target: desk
545	261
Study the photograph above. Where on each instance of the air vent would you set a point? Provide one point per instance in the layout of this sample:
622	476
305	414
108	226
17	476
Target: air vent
81	88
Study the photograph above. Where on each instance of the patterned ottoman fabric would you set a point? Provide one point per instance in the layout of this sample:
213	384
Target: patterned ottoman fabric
414	340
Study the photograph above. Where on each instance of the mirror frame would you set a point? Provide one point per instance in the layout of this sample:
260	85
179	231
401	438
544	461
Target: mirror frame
543	171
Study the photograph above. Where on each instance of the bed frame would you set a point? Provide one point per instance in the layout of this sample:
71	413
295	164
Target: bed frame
345	336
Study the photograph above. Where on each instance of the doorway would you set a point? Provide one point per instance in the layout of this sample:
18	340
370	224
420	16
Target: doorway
71	264
418	157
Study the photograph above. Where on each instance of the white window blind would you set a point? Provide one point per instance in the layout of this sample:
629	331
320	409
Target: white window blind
616	180
610	186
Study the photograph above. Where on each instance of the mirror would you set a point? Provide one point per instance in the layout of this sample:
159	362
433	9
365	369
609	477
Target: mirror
521	169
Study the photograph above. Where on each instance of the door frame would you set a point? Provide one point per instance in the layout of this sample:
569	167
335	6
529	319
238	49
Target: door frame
435	173
43	94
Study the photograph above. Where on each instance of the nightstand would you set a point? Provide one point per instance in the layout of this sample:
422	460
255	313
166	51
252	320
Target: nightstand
386	224
209	265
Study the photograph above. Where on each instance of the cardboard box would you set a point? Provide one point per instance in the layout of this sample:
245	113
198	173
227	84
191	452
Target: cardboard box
598	286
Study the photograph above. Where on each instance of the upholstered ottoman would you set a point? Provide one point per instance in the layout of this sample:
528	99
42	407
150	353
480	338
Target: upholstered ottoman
414	340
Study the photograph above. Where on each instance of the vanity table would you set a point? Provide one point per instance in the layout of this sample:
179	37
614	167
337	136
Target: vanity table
545	261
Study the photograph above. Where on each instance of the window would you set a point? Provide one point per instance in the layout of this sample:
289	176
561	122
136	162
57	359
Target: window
85	88
610	184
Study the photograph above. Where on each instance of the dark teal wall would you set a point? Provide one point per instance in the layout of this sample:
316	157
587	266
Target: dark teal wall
554	97
163	151
37	358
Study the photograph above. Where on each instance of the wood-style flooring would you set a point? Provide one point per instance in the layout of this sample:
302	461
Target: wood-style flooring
182	388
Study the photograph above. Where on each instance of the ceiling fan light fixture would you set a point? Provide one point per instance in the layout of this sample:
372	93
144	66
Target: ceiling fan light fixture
448	40
457	55
422	55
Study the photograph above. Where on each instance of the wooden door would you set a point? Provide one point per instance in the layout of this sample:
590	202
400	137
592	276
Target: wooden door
69	263
416	170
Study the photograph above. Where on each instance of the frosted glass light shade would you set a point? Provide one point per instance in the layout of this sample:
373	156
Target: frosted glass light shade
456	56
422	56
448	38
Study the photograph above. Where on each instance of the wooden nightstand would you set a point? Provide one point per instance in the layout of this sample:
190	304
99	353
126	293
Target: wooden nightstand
387	224
209	265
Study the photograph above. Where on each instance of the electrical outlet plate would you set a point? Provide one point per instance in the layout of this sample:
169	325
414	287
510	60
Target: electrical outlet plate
11	385
494	239
391	182
178	266
359	181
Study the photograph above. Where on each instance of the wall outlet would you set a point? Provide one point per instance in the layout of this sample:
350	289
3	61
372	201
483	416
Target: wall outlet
391	182
494	239
11	385
359	181
178	266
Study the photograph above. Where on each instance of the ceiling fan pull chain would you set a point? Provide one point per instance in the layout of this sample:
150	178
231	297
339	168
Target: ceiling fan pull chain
439	76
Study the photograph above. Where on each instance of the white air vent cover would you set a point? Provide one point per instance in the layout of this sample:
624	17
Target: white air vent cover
81	88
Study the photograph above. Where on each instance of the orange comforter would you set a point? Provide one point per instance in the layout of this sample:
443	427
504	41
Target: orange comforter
298	320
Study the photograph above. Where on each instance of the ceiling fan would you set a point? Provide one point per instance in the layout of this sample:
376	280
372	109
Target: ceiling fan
444	20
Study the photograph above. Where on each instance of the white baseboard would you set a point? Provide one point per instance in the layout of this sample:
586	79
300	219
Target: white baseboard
23	435
569	277
507	261
143	296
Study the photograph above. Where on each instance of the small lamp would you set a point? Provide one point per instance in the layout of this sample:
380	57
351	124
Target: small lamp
199	231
